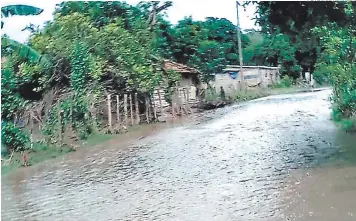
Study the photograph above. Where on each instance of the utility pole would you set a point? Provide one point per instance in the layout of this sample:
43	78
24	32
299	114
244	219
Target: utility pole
239	39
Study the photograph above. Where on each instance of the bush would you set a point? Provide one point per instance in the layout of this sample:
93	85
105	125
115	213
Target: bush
285	82
210	95
13	138
249	95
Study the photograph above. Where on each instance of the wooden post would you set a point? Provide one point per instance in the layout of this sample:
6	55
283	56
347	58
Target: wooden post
109	114
60	123
71	113
125	108
188	93
147	109
131	110
179	103
31	128
92	112
239	43
173	106
160	101
155	111
118	111
184	103
137	110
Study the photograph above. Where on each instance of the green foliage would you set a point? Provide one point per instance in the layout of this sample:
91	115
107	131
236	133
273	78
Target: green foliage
10	10
211	59
74	113
79	61
207	45
296	20
337	63
13	138
10	100
9	46
210	95
285	82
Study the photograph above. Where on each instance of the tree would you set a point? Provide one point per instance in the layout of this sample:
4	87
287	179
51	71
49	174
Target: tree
155	10
207	45
297	19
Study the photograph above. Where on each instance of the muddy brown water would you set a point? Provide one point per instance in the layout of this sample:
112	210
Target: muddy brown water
276	158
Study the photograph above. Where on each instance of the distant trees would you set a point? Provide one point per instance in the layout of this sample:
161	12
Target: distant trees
319	37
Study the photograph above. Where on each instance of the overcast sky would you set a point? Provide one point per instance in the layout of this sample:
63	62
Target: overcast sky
198	9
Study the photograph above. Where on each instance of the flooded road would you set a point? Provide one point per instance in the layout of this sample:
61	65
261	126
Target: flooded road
276	158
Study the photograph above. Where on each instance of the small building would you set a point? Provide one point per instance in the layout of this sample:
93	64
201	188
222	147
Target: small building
187	85
253	77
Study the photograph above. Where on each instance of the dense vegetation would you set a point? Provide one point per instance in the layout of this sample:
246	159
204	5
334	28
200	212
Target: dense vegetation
113	47
322	39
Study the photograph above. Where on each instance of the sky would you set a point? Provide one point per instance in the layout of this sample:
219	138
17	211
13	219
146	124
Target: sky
198	9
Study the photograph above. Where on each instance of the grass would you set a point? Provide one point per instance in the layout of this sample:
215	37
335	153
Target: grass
346	123
41	152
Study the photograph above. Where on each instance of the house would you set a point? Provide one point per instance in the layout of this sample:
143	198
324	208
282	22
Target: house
230	79
187	86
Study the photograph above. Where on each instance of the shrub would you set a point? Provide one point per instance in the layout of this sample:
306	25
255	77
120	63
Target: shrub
13	138
285	82
210	95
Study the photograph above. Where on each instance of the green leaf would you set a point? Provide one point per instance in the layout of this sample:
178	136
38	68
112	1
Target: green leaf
24	51
11	10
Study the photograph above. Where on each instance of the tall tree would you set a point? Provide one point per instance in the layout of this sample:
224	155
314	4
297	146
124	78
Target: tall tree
297	19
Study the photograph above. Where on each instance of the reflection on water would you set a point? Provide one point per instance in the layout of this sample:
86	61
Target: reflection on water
276	158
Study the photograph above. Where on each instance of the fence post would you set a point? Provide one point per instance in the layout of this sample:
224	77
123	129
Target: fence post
92	112
31	128
154	111
147	111
125	108
173	106
160	101
149	107
188	92
71	113
137	110
118	111
131	110
60	129
109	113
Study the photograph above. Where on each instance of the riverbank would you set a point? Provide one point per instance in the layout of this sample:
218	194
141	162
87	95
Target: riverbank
41	153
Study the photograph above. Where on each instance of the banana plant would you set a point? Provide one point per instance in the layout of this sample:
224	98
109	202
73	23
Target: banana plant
9	45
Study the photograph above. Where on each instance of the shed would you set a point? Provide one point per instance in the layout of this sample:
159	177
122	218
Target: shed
253	76
188	83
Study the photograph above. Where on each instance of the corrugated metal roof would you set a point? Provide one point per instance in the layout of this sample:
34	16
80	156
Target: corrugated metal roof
237	67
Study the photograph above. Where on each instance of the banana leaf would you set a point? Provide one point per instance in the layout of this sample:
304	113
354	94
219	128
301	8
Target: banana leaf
24	51
10	10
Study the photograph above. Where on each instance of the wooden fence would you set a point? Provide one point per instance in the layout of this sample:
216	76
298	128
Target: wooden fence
113	113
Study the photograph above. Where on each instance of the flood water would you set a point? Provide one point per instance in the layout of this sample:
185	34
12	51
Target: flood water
276	158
